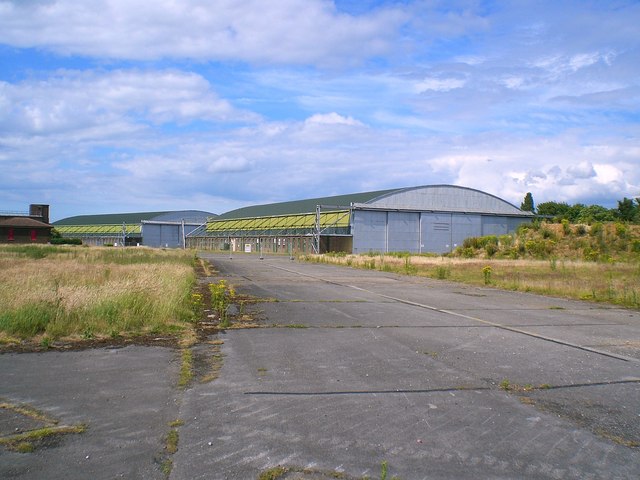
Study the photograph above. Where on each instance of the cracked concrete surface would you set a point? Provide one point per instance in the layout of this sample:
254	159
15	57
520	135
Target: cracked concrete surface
381	367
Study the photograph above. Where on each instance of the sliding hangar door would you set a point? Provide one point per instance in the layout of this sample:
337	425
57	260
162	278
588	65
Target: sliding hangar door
421	232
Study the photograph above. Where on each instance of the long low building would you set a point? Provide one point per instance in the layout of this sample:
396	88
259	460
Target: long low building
425	219
152	229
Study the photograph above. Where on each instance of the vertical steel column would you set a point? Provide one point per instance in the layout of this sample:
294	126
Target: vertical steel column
316	233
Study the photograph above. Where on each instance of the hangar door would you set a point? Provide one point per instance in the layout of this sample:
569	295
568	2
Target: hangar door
436	232
386	231
415	232
403	232
369	231
443	232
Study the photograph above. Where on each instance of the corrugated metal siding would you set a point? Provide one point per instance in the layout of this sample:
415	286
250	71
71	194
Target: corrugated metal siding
369	231
403	232
464	226
422	232
162	235
494	226
436	232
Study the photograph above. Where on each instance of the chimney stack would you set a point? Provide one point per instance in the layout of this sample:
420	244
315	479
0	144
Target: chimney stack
41	211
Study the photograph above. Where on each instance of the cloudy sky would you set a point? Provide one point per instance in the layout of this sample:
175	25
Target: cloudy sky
129	105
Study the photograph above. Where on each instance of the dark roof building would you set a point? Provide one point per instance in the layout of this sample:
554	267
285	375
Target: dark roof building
32	227
430	218
155	229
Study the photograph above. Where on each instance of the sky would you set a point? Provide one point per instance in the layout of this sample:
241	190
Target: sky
113	106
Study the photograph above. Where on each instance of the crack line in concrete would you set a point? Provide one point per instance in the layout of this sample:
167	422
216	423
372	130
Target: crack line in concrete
444	390
371	392
589	384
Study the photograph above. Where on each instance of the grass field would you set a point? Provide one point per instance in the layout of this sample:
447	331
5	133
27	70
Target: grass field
612	282
54	292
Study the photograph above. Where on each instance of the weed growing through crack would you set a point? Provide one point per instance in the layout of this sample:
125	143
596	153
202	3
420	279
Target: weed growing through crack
273	473
383	470
172	441
25	442
222	295
166	466
186	368
279	471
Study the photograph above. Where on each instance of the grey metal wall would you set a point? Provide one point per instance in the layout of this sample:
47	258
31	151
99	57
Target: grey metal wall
403	232
369	231
422	232
162	235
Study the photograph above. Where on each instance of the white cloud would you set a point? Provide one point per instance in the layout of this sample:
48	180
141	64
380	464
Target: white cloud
512	81
297	31
576	62
104	103
439	84
506	99
606	174
332	119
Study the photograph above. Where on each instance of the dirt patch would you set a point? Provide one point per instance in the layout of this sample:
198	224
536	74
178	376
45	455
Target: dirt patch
27	346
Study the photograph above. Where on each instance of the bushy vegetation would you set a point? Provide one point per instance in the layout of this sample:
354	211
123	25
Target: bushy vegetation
51	292
628	210
614	241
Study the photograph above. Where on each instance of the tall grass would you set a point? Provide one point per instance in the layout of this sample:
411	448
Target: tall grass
57	292
611	282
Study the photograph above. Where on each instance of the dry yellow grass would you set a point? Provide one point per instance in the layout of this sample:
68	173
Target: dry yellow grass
94	291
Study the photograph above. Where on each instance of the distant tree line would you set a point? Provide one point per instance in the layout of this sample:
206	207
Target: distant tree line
628	210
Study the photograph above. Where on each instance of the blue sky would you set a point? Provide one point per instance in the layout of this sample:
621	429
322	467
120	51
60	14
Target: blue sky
128	105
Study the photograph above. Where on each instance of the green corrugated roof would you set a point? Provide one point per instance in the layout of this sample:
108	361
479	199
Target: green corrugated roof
302	206
109	218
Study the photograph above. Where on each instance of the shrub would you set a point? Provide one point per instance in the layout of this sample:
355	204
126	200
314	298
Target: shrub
512	253
621	230
486	272
467	252
536	248
505	240
591	254
566	227
547	234
65	241
442	273
491	249
523	228
471	242
596	229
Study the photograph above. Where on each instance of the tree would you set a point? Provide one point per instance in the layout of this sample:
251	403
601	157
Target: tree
557	210
595	213
527	205
627	210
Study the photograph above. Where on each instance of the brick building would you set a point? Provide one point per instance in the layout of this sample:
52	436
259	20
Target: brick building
32	227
